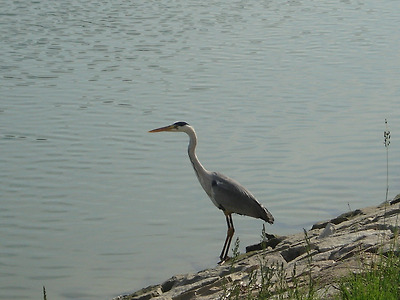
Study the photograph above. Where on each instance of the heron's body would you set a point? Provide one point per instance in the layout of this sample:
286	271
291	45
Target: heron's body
226	194
232	197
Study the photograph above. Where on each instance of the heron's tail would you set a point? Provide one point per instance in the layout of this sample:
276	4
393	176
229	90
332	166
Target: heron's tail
266	216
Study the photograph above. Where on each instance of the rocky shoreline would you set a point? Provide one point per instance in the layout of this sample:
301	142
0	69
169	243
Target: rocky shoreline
328	251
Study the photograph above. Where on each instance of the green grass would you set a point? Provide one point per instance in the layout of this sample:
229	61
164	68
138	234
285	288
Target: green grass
378	282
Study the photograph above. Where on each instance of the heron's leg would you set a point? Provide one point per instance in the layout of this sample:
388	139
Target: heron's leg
222	257
228	240
231	232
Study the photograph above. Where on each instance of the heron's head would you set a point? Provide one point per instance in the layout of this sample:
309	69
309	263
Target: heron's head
176	127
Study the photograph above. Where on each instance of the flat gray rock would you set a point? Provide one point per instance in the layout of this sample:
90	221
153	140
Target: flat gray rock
332	249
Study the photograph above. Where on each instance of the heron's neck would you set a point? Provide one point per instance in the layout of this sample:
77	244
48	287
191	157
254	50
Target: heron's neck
201	173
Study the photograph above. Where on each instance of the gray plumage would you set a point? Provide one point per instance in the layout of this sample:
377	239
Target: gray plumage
232	197
226	194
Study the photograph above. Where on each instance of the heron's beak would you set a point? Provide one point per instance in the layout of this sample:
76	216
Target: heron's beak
166	128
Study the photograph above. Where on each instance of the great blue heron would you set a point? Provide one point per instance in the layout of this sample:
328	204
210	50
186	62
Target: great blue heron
227	194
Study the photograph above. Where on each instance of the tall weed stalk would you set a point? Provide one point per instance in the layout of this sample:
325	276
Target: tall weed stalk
386	136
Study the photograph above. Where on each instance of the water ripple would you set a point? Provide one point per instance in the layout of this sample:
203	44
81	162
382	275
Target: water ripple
288	98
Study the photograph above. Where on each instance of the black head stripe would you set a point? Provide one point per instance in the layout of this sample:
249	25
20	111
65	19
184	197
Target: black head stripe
180	123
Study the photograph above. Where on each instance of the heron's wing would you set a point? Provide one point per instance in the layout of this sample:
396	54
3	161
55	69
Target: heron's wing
232	197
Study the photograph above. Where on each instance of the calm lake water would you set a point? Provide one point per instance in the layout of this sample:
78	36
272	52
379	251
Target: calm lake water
287	97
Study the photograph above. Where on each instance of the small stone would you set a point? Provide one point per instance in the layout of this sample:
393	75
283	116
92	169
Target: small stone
395	199
329	230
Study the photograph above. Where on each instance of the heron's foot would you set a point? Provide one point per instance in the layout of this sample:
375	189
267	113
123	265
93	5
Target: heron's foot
223	261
